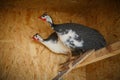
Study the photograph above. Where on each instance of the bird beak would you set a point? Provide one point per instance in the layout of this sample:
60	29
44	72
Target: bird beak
34	38
40	17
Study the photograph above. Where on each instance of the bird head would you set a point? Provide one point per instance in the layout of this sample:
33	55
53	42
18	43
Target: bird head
47	18
36	37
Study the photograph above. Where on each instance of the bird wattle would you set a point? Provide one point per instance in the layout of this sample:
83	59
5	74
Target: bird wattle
34	38
44	19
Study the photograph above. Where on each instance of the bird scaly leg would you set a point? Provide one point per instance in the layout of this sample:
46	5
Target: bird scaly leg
66	64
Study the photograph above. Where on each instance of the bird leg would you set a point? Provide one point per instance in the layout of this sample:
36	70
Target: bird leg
73	64
65	65
69	57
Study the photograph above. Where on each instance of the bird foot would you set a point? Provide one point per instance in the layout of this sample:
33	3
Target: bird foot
67	64
64	66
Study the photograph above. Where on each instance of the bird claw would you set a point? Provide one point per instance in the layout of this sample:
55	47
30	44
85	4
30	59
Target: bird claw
64	66
67	64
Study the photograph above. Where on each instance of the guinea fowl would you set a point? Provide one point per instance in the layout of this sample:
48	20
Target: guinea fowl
52	43
77	37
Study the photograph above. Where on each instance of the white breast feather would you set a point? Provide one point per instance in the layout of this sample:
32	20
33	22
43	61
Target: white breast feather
57	47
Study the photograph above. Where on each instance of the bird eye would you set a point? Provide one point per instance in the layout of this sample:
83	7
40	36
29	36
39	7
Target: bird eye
43	15
37	36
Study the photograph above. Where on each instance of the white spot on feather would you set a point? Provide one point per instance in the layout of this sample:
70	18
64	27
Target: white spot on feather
57	47
71	37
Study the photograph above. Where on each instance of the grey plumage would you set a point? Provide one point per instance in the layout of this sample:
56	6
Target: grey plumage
91	37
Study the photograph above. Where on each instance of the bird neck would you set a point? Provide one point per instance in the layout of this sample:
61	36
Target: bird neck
51	24
50	21
40	39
